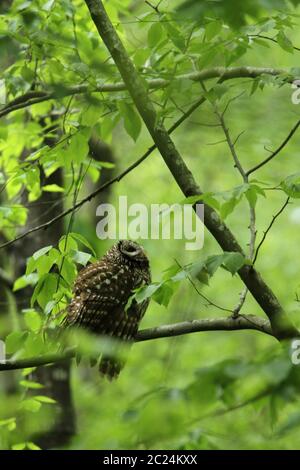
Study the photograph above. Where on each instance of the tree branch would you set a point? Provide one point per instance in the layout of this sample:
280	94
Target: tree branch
35	97
244	322
281	147
269	228
280	323
262	36
252	225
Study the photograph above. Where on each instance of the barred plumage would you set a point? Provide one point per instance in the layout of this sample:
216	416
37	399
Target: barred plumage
101	292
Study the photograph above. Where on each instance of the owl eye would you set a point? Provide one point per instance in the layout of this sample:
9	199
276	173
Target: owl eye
130	250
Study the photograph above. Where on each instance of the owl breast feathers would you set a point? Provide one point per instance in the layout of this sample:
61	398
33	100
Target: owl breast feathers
101	292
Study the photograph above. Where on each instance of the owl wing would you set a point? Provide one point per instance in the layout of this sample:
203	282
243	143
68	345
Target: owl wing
101	292
126	330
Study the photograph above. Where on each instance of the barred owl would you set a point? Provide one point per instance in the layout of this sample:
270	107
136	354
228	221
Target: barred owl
101	292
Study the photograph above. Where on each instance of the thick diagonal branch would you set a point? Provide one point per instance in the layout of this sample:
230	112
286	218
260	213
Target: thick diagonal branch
280	323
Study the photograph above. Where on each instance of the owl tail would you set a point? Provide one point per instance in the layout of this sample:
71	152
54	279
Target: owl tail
110	367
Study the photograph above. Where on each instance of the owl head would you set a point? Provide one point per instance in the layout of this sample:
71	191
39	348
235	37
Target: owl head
132	251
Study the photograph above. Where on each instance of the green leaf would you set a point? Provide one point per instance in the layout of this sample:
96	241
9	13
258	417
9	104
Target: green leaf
25	281
132	121
33	320
194	269
31	266
44	399
43	265
41	252
254	86
79	147
15	341
32	446
233	261
203	277
9	423
204	389
291	186
20	446
192	199
84	241
155	34
50	306
284	42
213	263
68	271
48	5
91	116
173	32
163	294
276	370
53	188
44	290
228	207
212	29
81	257
34	344
145	292
67	243
30	384
30	404
292	422
179	276
251	196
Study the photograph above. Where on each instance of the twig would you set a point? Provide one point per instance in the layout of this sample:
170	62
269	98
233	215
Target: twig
238	165
209	302
281	146
154	7
269	228
262	36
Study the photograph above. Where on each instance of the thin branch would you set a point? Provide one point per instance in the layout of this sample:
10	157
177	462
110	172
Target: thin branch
269	228
154	7
245	322
231	146
262	36
238	165
35	97
210	303
231	100
36	361
242	300
281	147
